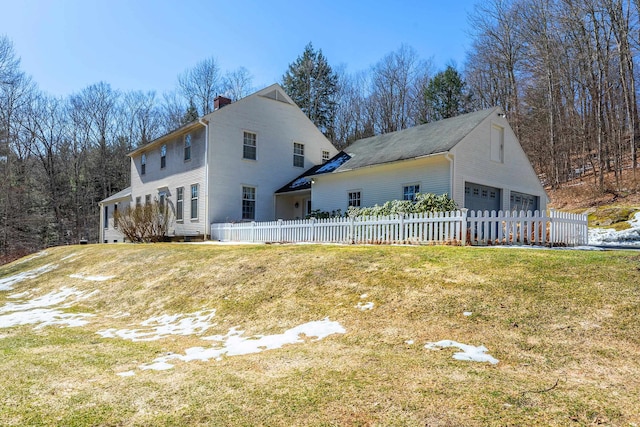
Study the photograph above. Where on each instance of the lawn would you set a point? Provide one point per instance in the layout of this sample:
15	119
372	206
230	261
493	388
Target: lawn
320	335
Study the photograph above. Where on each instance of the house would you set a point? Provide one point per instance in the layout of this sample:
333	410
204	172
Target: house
475	158
225	166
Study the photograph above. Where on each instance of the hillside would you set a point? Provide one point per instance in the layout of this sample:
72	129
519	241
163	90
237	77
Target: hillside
179	334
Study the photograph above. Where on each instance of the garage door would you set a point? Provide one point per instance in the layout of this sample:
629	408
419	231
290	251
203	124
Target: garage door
481	197
523	202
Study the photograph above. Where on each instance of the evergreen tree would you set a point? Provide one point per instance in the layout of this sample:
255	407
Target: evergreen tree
191	114
313	86
446	95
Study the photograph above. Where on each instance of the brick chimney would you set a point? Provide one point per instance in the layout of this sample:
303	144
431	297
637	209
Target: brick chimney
219	102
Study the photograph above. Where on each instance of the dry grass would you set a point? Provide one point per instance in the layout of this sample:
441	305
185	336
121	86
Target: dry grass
562	323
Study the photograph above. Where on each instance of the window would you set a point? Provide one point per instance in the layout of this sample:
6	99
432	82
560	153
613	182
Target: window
147	199
187	147
354	198
249	146
409	191
143	164
298	155
248	203
325	156
194	201
163	156
179	204
106	216
163	202
138	202
115	215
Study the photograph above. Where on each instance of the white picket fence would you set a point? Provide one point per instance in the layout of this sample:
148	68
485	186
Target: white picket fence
458	227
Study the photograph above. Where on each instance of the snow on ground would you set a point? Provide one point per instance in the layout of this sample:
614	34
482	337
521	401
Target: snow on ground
234	344
159	327
7	283
364	306
469	352
44	310
609	236
91	278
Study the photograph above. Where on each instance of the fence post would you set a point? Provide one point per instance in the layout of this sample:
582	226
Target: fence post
351	235
463	226
280	230
552	230
312	232
253	231
401	231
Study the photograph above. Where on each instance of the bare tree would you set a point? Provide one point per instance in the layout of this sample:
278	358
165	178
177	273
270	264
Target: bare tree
238	83
201	84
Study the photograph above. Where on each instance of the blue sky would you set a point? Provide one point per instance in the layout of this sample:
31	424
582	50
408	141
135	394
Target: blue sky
66	45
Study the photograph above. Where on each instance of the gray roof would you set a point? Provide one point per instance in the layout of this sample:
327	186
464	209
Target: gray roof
424	140
118	196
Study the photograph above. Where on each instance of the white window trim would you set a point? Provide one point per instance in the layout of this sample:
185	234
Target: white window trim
411	184
349	192
255	134
197	199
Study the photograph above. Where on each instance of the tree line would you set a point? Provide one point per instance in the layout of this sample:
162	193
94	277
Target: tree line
563	71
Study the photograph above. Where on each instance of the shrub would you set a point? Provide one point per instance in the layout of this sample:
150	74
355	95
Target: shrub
427	202
148	223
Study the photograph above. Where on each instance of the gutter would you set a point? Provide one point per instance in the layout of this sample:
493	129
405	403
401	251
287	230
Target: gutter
205	123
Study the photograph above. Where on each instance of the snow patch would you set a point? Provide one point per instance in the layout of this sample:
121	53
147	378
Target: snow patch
609	236
7	283
38	310
126	374
234	344
91	278
159	327
467	313
365	306
469	352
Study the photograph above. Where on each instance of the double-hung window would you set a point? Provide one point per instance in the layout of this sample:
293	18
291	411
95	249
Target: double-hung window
298	155
409	192
143	164
249	146
325	156
163	156
248	203
354	198
179	203
187	147
194	201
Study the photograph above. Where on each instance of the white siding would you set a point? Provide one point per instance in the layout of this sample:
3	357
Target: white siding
277	126
108	233
379	184
473	163
177	173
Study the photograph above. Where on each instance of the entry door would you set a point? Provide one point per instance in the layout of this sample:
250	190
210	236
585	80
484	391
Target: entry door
481	197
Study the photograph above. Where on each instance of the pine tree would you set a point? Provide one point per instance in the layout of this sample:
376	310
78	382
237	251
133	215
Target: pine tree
446	95
313	86
191	114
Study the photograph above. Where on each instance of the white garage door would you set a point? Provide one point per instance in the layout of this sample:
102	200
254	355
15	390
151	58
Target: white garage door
481	197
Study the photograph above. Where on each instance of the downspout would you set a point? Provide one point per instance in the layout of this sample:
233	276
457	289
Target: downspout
449	157
207	226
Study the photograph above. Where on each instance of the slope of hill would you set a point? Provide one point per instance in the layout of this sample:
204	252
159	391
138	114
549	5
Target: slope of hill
178	334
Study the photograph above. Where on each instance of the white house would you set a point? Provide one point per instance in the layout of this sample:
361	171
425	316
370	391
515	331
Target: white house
475	158
225	166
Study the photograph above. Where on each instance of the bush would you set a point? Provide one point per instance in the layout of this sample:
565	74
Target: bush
427	202
148	223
